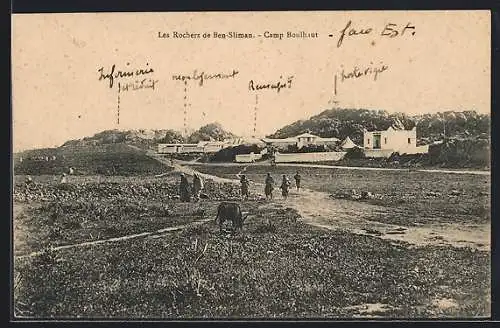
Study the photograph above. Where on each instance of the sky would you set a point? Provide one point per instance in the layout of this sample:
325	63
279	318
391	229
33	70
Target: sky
57	94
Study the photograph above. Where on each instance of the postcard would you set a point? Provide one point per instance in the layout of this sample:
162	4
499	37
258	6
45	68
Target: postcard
251	165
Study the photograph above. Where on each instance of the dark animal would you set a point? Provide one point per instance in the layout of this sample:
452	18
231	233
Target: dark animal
230	212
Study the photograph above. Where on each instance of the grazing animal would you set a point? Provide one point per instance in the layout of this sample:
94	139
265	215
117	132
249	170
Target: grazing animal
230	212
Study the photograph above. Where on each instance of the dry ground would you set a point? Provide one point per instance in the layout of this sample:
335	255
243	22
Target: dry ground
278	267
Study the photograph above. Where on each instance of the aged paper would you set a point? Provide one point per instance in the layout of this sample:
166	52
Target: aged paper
380	118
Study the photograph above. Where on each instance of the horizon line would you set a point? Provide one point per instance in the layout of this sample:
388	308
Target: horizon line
248	135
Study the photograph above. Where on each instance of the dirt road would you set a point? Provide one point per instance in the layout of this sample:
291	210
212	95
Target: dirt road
318	209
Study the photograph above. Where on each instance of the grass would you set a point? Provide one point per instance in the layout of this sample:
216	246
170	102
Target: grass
86	210
277	268
109	159
289	272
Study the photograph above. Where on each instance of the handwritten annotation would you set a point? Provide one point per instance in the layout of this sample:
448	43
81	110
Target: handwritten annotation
278	85
358	72
118	74
138	85
202	77
390	30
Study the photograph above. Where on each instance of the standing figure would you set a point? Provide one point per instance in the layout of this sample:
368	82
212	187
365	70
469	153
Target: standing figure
71	171
184	189
29	180
197	186
285	184
269	186
297	178
244	186
63	178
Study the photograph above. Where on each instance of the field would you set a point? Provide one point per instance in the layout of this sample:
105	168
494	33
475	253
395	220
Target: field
278	267
413	197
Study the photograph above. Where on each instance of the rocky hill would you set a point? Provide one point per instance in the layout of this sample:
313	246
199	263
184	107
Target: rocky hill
212	131
146	138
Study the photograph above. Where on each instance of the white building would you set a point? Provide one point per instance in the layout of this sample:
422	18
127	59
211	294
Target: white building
304	139
178	148
200	147
211	146
384	143
280	142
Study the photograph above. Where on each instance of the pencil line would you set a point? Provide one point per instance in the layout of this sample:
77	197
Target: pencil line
335	85
118	104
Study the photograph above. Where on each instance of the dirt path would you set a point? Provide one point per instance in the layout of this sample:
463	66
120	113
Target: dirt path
318	209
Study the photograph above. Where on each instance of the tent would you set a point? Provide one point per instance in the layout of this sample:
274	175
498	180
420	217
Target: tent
348	144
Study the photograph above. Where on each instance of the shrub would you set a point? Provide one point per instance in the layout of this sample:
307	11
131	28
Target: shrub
229	154
355	153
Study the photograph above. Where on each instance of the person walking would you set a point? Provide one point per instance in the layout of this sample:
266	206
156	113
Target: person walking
197	186
269	186
63	179
184	189
244	187
273	162
297	178
285	184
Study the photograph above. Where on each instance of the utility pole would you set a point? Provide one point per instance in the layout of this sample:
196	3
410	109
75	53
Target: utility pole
255	116
185	108
444	130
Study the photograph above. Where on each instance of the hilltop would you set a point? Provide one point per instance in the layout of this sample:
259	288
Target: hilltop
342	123
147	138
111	152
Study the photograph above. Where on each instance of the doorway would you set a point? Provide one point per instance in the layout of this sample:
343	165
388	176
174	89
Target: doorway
376	141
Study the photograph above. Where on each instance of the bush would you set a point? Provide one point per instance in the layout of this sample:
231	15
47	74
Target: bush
461	153
229	154
355	153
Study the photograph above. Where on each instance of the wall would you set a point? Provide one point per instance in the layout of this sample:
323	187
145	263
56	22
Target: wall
315	141
327	142
377	153
418	150
212	148
180	148
162	149
283	144
309	157
247	158
190	149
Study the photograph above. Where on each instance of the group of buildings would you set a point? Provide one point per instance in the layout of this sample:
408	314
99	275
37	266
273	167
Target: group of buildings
375	144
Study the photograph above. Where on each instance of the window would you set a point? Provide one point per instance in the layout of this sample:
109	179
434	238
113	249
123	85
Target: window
368	141
385	141
409	140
